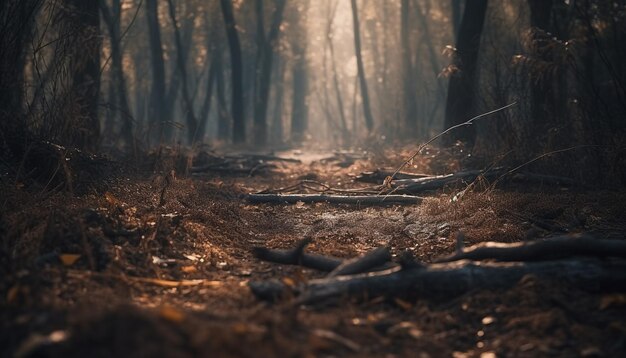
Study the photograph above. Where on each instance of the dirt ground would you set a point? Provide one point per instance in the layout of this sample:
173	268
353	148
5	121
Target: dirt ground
130	269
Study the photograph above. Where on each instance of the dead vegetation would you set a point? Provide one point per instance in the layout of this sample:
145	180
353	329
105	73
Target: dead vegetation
160	264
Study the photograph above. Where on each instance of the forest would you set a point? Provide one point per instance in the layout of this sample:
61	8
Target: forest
303	178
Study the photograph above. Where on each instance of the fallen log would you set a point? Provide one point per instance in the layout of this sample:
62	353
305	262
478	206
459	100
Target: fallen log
553	248
365	263
435	182
333	199
582	261
297	256
448	280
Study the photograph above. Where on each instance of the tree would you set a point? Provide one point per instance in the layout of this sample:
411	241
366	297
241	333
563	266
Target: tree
332	9
239	126
16	20
300	79
112	18
542	100
456	15
158	106
408	81
461	94
367	111
83	17
181	63
224	122
265	52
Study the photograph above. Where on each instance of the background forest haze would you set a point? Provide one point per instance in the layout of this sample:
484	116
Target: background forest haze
125	76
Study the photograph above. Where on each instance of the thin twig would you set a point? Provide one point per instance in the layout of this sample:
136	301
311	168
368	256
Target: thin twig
422	146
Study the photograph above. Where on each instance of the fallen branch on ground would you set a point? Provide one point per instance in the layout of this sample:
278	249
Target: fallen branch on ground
333	199
365	263
446	280
296	256
580	261
553	248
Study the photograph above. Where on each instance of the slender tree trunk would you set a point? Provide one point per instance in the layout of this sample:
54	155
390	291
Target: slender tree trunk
542	100
181	60
239	125
224	118
432	56
84	19
299	112
345	135
140	88
279	89
158	109
456	16
264	68
206	105
461	94
112	19
408	81
16	22
367	111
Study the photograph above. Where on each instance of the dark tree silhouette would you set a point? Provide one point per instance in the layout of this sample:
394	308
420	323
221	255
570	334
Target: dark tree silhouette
112	19
181	64
408	81
542	99
461	93
265	55
16	20
239	126
83	17
158	106
300	78
367	110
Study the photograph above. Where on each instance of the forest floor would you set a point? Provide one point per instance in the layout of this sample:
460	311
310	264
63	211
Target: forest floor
141	268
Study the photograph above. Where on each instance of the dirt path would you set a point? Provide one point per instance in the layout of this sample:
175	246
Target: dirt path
170	280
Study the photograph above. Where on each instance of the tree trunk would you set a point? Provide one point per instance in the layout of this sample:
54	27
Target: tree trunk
181	61
84	19
542	97
299	112
408	81
345	135
206	105
18	17
264	68
279	89
239	125
461	94
456	16
224	118
432	56
300	80
112	19
158	108
367	111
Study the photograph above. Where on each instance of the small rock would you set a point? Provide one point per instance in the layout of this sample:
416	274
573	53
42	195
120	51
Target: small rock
412	230
443	229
